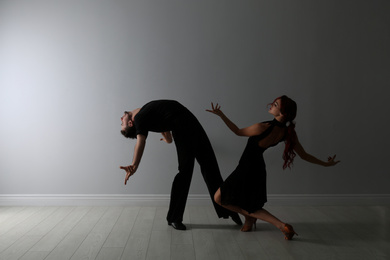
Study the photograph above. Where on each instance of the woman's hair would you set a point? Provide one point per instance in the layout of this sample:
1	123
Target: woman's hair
129	132
288	108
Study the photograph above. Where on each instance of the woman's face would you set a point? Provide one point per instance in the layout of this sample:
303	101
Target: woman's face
275	108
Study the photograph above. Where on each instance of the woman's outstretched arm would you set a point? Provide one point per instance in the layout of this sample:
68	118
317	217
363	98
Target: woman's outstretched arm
255	129
312	159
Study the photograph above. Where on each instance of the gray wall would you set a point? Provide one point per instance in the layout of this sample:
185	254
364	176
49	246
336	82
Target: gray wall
68	70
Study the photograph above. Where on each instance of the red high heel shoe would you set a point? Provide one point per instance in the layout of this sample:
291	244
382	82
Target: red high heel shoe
248	227
288	232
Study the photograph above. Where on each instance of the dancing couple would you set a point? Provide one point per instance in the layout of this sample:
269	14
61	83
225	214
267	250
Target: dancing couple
244	191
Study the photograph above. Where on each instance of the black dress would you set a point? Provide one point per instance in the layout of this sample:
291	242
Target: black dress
246	185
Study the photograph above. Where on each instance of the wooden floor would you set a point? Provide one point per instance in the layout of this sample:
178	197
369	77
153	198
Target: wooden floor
325	232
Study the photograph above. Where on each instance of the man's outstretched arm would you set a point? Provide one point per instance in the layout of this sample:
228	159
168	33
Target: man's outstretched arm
138	152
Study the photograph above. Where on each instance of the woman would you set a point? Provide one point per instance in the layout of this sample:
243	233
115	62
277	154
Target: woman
244	191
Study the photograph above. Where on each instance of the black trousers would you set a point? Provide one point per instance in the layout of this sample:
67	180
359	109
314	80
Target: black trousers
192	143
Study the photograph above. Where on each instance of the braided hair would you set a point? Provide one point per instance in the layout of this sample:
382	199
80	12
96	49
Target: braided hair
288	108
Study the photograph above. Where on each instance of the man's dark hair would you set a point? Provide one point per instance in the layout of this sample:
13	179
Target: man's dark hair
129	132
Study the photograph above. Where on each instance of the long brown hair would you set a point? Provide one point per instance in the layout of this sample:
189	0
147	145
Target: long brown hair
288	108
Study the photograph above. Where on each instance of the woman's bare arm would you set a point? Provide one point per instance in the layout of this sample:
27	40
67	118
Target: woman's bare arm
252	130
298	148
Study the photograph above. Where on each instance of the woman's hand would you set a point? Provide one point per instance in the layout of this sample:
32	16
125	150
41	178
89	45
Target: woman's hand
332	161
215	110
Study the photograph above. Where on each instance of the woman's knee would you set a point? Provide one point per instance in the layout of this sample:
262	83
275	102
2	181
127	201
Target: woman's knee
217	197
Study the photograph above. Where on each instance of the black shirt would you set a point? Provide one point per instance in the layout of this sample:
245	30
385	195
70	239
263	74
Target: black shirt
160	116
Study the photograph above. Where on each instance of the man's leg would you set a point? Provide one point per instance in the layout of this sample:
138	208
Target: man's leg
212	175
181	183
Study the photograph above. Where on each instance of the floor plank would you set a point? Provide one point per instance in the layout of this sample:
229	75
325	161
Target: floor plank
23	227
121	231
92	244
72	241
138	242
325	232
57	234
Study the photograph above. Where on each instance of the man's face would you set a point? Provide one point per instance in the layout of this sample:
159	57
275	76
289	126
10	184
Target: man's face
126	120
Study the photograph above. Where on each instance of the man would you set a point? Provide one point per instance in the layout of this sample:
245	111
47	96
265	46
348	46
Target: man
175	121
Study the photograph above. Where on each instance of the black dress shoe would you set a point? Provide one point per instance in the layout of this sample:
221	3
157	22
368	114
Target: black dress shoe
236	218
177	225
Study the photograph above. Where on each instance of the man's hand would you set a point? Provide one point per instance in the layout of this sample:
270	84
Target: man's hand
167	137
130	170
138	151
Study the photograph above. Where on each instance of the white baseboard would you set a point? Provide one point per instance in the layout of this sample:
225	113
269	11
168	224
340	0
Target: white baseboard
193	199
